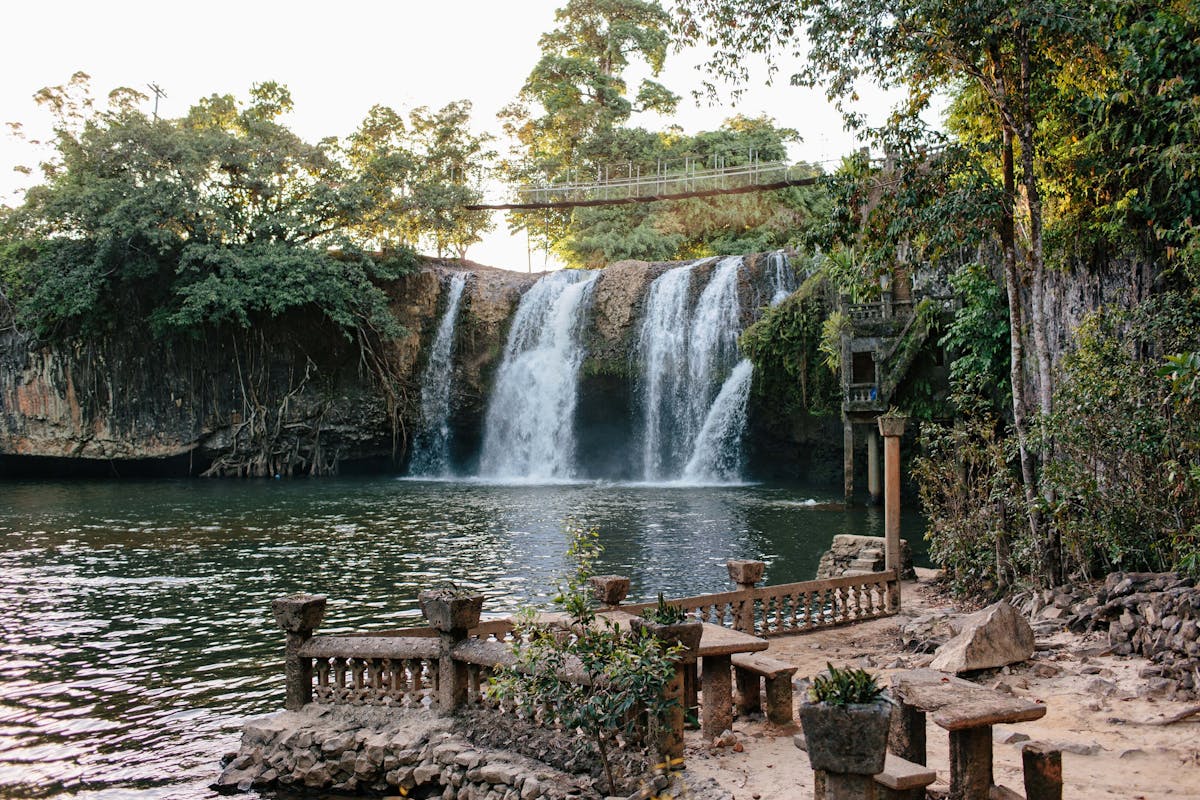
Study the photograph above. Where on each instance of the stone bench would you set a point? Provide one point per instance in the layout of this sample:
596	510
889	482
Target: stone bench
903	780
748	668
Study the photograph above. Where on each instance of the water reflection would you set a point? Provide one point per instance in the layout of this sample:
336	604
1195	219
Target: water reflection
134	616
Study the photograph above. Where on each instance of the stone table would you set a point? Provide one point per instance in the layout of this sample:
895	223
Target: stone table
968	711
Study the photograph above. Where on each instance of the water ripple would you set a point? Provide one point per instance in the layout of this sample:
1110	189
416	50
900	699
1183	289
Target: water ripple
135	630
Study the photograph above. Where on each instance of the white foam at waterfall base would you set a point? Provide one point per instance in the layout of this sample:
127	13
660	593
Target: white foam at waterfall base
431	446
529	429
717	453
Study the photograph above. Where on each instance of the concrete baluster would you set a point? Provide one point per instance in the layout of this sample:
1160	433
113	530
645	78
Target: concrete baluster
298	615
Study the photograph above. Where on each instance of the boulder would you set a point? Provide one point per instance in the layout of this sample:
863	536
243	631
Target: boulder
996	636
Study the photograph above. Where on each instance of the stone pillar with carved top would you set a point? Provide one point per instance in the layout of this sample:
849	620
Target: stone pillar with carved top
746	574
298	615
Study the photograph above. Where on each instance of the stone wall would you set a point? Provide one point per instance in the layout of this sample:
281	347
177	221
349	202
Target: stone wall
419	753
365	749
865	553
1154	615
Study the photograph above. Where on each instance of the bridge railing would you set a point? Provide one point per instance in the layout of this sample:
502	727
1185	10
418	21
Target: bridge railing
636	181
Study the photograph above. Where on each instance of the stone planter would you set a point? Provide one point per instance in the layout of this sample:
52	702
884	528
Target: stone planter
892	425
847	739
685	633
447	610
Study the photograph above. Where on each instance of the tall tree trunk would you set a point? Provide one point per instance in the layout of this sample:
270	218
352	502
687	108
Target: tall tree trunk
1016	315
1037	267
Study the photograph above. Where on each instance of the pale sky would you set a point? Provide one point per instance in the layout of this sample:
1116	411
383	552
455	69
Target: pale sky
338	59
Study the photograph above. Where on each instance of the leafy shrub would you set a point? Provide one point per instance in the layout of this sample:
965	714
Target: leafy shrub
975	508
625	676
1125	440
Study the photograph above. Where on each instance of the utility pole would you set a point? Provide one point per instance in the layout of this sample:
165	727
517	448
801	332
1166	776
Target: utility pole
158	93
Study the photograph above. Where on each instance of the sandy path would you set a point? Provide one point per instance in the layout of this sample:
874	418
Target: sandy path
1094	712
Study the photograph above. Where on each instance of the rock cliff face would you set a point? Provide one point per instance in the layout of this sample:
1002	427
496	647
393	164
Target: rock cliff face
297	397
292	398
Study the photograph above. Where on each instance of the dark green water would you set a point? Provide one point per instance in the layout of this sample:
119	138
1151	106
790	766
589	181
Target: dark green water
135	616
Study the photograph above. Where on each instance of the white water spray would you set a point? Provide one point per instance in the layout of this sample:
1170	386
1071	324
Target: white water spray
431	446
684	356
529	431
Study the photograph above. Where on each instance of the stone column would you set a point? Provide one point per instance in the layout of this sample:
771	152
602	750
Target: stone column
847	458
892	428
873	483
1043	771
299	615
746	574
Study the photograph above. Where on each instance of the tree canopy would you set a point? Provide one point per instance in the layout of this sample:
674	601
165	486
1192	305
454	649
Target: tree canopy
225	216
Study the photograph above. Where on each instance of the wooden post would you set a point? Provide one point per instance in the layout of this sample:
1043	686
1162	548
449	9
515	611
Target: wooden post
1043	771
892	428
299	615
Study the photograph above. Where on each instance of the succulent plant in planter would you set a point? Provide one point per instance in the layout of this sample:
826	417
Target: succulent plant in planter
845	719
670	624
451	608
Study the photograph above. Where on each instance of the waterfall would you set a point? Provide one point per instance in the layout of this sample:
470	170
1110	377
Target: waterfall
431	446
781	277
662	351
529	430
684	357
717	454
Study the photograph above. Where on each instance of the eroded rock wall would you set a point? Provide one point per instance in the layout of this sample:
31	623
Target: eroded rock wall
297	397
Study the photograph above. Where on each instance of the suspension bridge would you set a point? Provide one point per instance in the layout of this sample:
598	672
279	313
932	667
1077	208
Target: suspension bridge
676	179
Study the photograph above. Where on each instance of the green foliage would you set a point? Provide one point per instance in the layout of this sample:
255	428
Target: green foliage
1126	453
835	326
977	340
844	687
974	505
226	217
590	677
785	346
1131	148
665	613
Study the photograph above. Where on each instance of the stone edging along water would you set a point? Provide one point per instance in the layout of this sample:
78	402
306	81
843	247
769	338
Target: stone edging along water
416	752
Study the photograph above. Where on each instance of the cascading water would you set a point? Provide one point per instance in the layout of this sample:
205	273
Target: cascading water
684	357
717	455
781	277
431	446
662	351
529	430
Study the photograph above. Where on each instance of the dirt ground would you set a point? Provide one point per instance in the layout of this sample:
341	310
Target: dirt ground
1111	746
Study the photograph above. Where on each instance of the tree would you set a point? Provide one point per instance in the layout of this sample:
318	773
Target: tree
1012	53
577	95
450	162
222	217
